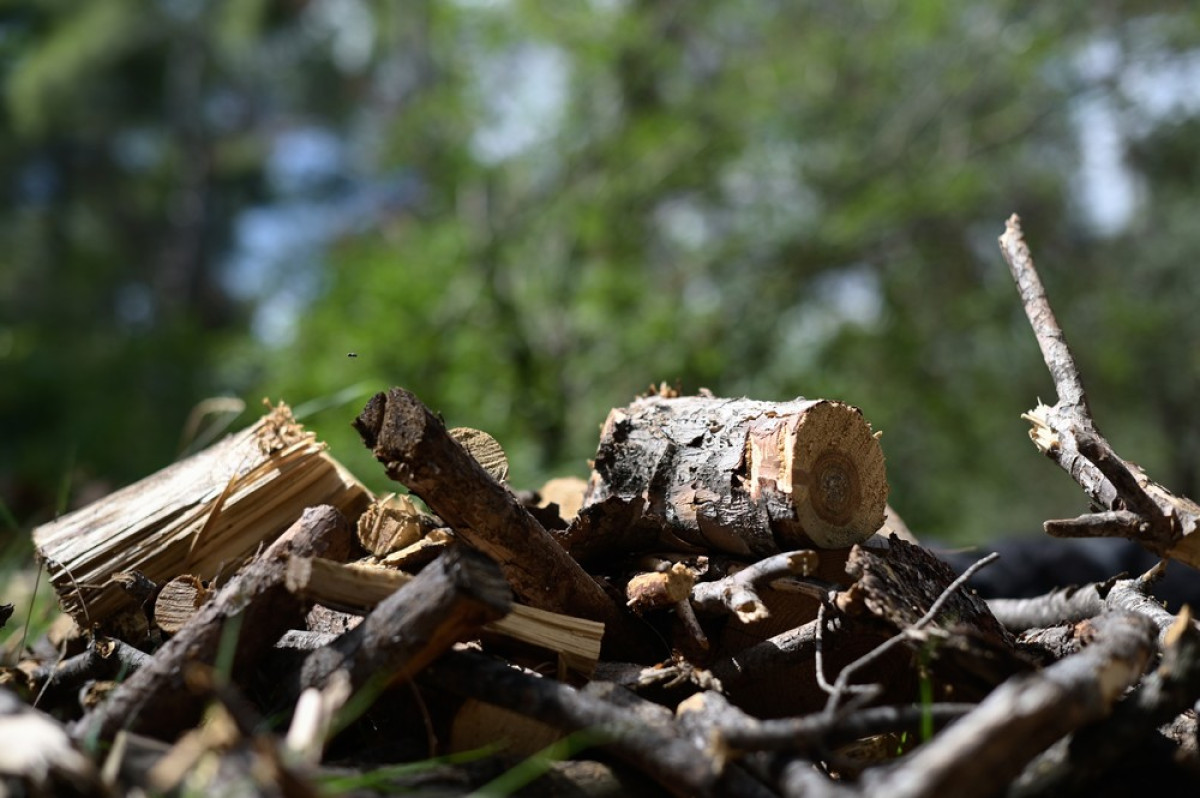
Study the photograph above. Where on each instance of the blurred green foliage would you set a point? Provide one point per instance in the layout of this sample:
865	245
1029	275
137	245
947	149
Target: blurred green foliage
573	200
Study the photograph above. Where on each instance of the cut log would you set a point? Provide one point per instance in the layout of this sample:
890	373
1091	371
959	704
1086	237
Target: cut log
201	515
734	475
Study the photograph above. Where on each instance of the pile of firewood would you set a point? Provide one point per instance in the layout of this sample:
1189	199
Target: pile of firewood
726	607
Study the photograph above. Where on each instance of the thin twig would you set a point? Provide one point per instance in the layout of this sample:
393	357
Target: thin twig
808	730
1049	334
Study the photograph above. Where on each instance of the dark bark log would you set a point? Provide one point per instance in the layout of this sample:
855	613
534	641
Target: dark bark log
417	451
155	700
970	649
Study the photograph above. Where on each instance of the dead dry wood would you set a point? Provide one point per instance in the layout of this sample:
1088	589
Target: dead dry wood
155	700
450	600
417	452
1131	505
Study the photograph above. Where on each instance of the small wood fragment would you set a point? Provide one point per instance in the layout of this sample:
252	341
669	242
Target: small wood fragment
646	591
420	553
178	601
392	523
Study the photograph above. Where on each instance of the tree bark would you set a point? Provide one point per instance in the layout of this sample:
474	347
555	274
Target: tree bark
735	475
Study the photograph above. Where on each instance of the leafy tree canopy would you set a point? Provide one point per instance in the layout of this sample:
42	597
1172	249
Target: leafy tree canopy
528	212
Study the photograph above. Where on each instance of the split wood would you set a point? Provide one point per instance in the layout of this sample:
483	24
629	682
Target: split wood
203	515
155	700
357	588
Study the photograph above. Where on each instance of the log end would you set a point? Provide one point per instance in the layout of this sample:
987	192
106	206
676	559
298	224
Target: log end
393	425
837	476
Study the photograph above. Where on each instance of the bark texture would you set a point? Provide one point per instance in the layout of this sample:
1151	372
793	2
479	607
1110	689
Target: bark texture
738	476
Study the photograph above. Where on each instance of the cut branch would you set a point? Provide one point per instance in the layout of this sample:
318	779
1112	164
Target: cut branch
417	451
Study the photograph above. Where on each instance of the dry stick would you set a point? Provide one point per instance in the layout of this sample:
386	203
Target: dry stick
155	700
1165	524
104	658
738	592
724	728
1171	689
417	452
1066	605
982	751
656	748
451	599
841	686
1049	334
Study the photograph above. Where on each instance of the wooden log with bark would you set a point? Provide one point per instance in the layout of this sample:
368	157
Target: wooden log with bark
700	473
